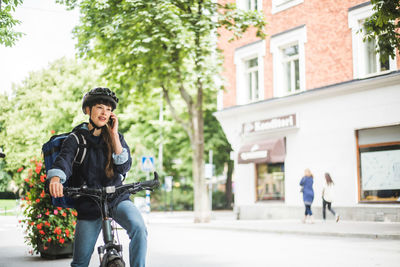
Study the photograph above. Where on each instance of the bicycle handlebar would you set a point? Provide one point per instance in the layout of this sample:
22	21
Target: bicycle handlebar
112	190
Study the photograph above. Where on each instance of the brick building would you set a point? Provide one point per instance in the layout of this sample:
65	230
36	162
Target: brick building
311	95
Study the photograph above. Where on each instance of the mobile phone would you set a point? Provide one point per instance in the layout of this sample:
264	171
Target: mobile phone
111	122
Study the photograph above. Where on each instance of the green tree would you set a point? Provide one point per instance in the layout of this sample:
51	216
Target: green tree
48	102
384	26
167	46
8	36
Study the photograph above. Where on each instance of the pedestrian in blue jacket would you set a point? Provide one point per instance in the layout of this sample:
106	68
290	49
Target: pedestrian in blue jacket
308	194
107	161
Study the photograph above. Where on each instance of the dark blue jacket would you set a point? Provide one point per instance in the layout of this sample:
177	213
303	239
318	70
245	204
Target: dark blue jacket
92	170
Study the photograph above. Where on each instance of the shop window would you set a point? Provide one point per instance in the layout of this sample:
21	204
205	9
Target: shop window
249	68
379	164
366	61
289	61
280	5
270	182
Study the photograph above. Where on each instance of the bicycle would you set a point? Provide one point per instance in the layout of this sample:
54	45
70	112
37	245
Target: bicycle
110	254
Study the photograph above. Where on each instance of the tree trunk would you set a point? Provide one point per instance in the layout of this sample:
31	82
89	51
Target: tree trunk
202	212
228	185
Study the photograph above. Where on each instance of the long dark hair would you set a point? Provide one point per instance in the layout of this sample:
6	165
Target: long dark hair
328	179
109	168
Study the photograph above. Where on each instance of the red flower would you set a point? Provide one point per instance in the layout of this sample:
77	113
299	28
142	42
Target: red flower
59	208
49	239
38	167
41	232
45	248
26	180
42	178
61	240
74	213
20	169
47	213
57	231
47	224
52	132
64	214
37	200
42	194
67	232
39	226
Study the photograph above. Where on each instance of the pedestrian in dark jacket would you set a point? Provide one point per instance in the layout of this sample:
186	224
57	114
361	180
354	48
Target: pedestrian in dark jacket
107	161
308	194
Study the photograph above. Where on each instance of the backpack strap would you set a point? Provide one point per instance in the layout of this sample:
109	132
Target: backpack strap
82	148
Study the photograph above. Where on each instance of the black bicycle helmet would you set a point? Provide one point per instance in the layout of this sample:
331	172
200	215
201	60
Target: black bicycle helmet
99	93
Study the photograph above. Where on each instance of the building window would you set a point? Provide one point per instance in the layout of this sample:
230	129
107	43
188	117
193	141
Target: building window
372	58
251	74
289	61
379	164
249	4
249	61
280	5
366	61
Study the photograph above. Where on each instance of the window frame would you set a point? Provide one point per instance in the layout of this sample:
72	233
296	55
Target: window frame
277	6
279	42
242	55
356	17
242	4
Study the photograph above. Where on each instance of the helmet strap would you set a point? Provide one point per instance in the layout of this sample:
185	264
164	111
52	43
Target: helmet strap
95	127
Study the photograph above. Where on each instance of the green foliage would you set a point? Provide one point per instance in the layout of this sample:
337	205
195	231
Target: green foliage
5	177
384	26
148	45
8	36
180	198
48	102
164	47
219	200
43	223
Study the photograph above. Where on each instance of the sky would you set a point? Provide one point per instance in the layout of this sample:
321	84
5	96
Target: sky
48	36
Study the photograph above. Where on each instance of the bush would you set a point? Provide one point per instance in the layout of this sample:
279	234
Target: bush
44	224
219	201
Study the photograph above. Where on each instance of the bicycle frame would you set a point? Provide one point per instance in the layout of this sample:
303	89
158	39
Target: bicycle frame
110	254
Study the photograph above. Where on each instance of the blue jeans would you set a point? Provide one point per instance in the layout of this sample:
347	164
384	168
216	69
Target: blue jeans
308	210
126	215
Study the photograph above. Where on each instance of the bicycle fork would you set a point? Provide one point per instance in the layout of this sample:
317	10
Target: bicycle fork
109	251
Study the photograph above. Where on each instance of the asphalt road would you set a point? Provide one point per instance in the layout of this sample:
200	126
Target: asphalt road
187	245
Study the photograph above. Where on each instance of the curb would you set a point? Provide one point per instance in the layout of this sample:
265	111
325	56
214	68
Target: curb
273	229
294	232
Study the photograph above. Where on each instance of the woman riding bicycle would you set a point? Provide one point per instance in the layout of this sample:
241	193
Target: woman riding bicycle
107	161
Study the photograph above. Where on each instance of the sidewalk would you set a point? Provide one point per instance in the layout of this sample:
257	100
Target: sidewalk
225	220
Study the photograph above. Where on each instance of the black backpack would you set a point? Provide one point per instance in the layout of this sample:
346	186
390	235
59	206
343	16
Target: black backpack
50	151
